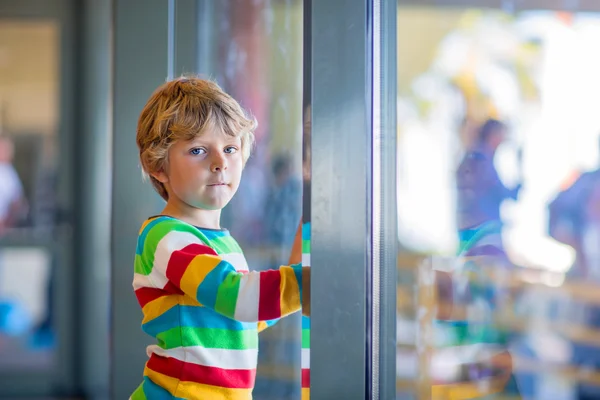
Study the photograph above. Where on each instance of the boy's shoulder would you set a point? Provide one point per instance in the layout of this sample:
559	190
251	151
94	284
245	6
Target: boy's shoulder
157	228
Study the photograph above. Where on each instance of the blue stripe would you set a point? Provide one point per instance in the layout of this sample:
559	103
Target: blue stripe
144	234
193	316
306	231
155	392
213	234
305	322
208	289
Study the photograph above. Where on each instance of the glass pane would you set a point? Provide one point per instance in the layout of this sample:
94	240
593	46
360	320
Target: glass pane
498	203
29	98
256	55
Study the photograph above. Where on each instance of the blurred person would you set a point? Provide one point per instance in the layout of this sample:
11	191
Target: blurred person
282	209
12	201
490	136
199	298
574	219
472	346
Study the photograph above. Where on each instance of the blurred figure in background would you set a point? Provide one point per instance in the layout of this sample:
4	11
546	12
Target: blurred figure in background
490	136
12	201
282	207
574	219
471	295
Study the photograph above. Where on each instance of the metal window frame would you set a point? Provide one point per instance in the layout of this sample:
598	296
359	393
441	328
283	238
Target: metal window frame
351	68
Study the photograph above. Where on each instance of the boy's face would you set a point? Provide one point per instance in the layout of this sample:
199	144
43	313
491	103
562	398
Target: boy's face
205	172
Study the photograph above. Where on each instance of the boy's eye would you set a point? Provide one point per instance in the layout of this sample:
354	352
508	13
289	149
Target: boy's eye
197	151
230	149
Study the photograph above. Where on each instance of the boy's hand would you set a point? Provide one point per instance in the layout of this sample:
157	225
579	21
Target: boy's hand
306	291
296	254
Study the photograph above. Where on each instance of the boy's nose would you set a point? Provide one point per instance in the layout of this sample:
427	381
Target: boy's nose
218	164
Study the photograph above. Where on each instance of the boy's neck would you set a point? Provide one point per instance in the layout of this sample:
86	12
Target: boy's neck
210	219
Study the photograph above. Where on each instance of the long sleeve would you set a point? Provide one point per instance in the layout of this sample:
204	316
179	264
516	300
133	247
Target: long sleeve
180	259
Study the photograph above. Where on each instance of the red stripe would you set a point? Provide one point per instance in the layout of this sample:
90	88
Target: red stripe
145	295
269	306
306	378
180	259
228	378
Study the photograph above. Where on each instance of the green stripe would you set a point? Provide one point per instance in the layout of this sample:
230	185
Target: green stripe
227	294
158	232
224	245
139	393
306	338
306	246
138	266
210	338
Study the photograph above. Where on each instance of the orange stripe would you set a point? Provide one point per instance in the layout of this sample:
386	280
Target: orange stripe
146	222
166	382
196	272
290	291
158	307
191	390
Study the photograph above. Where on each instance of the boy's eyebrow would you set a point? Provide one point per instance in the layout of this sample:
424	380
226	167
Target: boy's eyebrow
200	140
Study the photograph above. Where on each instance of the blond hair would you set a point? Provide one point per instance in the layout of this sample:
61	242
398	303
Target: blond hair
182	109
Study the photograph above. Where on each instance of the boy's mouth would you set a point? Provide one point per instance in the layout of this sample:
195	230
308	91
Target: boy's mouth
217	184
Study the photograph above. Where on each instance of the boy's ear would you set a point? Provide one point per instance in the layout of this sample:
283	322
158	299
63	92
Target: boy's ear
160	176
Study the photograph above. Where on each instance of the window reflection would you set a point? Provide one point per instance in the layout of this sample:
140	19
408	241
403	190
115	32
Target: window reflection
257	57
498	192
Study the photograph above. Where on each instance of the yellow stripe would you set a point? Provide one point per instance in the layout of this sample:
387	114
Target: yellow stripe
305	394
146	222
196	272
158	307
262	325
192	390
289	290
462	391
164	381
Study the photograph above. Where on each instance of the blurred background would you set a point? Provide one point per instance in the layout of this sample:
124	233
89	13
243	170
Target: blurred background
498	162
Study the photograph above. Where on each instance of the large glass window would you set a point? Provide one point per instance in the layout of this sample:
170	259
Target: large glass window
254	51
498	198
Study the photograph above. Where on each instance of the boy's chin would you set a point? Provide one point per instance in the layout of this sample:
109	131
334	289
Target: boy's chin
214	205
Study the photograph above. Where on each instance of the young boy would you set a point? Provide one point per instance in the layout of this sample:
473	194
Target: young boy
199	300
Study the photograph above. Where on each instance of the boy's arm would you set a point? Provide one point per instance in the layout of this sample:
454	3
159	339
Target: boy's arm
295	258
181	259
296	253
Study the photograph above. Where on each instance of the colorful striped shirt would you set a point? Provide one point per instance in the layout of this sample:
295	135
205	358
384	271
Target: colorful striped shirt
205	310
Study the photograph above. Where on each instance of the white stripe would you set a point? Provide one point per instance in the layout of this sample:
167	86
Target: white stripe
170	243
305	359
246	309
237	260
140	281
306	259
219	358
